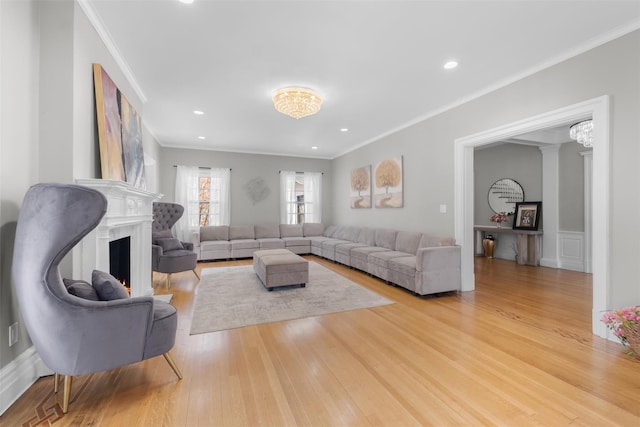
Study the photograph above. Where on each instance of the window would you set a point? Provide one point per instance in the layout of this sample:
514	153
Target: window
300	197
204	194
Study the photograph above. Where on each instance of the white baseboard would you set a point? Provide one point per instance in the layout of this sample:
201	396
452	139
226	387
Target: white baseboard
19	375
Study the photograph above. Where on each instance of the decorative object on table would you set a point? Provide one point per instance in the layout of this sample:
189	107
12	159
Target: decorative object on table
388	184
527	216
499	218
361	187
504	194
489	245
625	324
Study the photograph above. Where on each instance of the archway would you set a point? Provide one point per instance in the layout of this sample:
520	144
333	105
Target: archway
598	110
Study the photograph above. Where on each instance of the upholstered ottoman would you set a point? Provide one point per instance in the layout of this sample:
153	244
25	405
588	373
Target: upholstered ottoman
280	267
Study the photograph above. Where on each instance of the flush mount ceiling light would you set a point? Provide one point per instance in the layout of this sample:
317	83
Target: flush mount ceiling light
582	132
450	65
297	102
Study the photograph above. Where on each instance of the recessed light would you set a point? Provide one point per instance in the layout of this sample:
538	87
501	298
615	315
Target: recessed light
450	65
198	112
202	137
186	1
344	130
314	148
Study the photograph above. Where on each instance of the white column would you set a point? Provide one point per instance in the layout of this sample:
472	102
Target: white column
550	209
587	158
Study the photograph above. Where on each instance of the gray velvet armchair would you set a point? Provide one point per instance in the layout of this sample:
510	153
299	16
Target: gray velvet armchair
72	335
168	254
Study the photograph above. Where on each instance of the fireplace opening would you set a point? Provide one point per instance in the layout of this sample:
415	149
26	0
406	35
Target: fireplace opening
120	260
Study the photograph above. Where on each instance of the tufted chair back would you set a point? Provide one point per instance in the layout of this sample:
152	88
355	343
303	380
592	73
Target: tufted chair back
165	215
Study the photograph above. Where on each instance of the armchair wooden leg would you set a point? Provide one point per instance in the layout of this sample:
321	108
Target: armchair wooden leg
173	365
168	280
67	392
56	380
196	273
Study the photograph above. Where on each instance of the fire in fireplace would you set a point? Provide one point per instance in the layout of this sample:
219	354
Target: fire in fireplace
120	260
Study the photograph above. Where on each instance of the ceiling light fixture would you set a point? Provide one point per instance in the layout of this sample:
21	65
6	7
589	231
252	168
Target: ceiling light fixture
186	1
202	137
198	112
297	102
344	130
582	132
450	65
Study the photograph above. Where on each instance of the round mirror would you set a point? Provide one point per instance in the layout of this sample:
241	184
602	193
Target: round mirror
503	195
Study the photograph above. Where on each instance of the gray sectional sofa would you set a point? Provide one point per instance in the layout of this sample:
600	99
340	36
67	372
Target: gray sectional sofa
420	262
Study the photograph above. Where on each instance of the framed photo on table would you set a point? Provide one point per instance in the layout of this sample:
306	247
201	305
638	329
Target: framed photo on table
527	216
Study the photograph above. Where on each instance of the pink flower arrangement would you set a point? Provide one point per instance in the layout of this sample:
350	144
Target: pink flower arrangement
499	217
625	324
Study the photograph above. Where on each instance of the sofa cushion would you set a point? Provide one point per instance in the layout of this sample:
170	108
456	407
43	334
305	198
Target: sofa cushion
214	232
345	249
237	232
330	231
107	287
296	241
405	265
363	252
162	234
291	230
271	243
431	240
171	244
81	289
382	258
367	236
408	241
312	229
245	244
386	238
267	231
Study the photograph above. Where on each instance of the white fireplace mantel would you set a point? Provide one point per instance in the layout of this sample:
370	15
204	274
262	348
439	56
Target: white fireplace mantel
129	214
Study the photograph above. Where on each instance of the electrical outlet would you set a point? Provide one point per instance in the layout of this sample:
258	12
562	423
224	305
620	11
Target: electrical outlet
13	334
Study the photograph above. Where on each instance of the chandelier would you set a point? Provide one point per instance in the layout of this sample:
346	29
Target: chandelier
582	132
297	102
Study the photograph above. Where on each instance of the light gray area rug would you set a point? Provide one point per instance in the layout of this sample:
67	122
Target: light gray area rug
233	297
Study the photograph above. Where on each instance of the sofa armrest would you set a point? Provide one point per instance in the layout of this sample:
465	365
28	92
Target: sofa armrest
187	245
196	239
438	269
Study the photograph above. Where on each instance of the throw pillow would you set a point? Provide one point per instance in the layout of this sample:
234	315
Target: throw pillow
107	287
170	244
81	289
162	234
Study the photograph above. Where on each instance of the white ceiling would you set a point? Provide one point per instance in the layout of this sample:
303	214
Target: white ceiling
378	64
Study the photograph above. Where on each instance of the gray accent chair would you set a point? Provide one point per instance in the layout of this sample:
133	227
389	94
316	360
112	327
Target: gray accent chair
72	335
168	255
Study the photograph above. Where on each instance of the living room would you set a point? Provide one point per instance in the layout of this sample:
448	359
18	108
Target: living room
49	135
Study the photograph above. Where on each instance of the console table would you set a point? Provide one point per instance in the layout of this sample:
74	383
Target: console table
529	242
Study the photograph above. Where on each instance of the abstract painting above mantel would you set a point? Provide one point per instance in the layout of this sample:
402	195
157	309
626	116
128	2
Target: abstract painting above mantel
361	187
388	192
119	132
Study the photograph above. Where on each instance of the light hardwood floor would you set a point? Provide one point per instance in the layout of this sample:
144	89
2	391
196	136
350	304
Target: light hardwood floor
517	351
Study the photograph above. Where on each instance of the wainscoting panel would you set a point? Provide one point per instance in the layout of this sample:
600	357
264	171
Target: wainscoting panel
571	250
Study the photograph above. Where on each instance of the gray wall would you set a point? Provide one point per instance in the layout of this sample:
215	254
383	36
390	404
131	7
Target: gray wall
428	149
524	164
244	168
521	163
47	121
